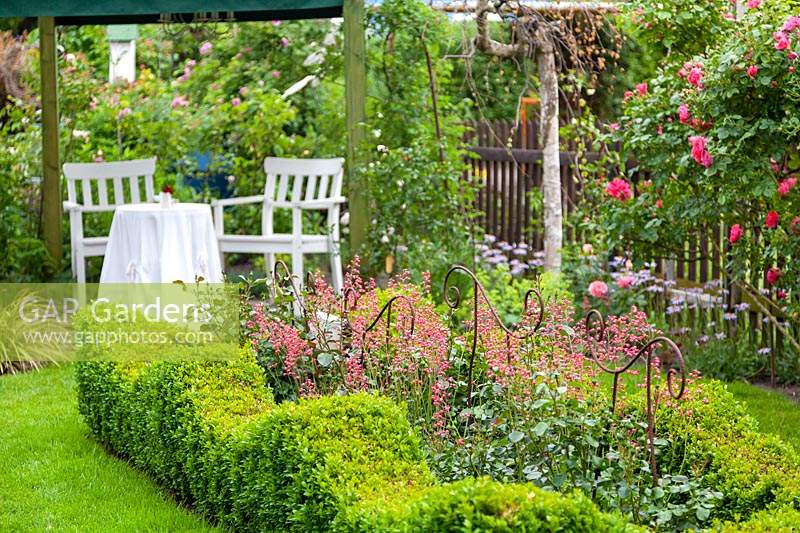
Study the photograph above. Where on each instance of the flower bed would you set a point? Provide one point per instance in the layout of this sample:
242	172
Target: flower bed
212	434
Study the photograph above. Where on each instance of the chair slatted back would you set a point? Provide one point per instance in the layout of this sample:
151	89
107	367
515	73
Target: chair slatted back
302	180
89	184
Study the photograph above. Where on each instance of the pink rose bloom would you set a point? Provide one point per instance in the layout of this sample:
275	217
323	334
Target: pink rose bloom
695	76
625	282
772	219
642	89
179	101
235	102
206	48
791	24
773	275
619	188
752	70
284	42
786	186
735	234
753	4
699	152
792	55
683	113
598	289
782	41
626	95
614	126
276	74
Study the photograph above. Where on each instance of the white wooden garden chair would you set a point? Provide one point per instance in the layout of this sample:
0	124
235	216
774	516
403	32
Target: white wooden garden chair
299	185
88	192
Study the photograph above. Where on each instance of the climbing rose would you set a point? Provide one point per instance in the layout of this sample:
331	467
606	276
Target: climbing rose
772	220
752	70
206	48
598	289
683	113
626	95
642	89
786	186
699	151
695	76
625	282
791	24
773	275
782	41
781	294
735	234
619	188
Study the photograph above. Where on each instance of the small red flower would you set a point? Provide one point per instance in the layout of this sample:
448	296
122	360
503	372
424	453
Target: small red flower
781	294
167	189
773	275
619	188
752	70
772	219
786	186
735	233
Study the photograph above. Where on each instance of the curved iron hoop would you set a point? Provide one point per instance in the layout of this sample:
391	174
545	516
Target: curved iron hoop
452	297
646	353
387	310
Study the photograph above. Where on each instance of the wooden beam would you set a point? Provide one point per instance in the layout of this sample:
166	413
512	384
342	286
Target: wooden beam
51	185
355	79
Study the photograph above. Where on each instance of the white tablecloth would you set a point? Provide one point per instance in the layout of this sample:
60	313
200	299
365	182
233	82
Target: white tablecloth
153	244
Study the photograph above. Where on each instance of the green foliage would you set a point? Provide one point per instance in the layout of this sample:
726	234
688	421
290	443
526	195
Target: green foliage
711	435
485	505
678	27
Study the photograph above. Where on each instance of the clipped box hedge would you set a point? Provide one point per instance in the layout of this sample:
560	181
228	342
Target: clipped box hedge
212	434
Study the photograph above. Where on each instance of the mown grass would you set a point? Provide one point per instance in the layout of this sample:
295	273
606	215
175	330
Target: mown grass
774	411
54	477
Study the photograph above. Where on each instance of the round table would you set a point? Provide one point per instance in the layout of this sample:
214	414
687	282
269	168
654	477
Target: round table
149	243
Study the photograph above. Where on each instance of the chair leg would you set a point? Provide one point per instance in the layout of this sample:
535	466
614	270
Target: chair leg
269	261
80	267
336	268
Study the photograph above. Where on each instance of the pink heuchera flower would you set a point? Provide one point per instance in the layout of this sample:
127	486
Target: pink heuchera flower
683	114
206	48
619	188
735	234
598	289
625	282
786	186
773	275
752	70
179	101
753	4
642	89
695	76
782	41
699	151
772	219
123	113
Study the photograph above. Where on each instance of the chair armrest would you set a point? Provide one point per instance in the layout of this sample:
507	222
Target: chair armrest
238	201
72	206
321	204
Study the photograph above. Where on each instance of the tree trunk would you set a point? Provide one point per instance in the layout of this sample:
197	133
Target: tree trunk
551	167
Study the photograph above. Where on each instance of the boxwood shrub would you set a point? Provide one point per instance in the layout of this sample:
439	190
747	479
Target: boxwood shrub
712	435
211	434
483	505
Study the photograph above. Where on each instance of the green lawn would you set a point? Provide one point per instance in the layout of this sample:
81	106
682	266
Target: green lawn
775	412
55	477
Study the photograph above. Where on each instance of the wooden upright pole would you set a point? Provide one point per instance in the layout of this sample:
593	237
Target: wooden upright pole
51	186
355	79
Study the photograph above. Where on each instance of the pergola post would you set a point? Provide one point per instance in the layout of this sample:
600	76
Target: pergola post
355	79
51	185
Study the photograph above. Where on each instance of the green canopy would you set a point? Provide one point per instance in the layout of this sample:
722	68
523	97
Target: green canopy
144	11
